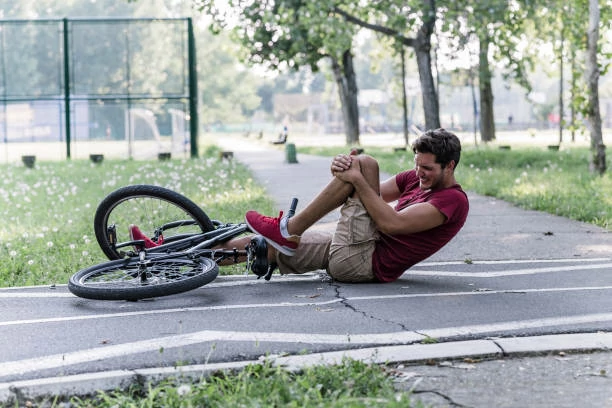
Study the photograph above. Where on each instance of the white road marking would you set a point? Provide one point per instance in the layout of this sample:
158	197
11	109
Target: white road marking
115	351
28	295
238	280
482	292
293	304
517	261
496	274
516	325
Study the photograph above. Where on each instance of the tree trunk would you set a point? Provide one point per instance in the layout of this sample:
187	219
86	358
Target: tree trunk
422	49
487	119
474	107
404	97
561	107
598	149
347	91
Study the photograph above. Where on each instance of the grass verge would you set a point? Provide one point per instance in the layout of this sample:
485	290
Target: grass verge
47	212
350	384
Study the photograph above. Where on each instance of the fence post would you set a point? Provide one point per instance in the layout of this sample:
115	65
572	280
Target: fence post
67	87
193	90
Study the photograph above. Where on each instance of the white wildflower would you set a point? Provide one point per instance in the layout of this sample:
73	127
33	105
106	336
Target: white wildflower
183	389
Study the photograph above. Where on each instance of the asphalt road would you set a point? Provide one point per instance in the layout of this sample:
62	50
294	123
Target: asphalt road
513	282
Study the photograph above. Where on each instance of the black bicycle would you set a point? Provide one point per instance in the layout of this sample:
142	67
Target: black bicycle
182	257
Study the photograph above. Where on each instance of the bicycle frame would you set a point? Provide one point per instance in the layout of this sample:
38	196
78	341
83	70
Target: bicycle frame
191	245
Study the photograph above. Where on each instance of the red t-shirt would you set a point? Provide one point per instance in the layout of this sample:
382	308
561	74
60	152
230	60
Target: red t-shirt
396	253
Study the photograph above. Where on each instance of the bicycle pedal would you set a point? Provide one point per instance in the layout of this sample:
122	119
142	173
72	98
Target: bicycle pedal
257	256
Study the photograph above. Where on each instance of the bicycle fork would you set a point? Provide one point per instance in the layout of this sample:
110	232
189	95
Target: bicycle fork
142	266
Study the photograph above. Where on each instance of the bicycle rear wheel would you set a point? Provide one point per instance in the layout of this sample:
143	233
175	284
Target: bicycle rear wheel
155	210
133	279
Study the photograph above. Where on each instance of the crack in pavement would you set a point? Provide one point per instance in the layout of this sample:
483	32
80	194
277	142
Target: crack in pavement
441	395
344	301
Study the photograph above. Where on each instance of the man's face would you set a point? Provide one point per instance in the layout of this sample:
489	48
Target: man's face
431	174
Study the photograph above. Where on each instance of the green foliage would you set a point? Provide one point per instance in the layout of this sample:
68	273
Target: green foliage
564	24
282	34
350	384
555	182
47	212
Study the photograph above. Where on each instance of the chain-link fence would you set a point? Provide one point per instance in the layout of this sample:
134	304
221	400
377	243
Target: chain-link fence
129	85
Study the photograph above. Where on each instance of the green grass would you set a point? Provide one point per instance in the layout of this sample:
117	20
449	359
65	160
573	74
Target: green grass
350	384
47	212
559	183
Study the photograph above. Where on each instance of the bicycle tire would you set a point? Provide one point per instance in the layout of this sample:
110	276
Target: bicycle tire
149	207
120	280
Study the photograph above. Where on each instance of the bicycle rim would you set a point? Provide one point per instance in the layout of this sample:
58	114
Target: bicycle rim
153	209
132	279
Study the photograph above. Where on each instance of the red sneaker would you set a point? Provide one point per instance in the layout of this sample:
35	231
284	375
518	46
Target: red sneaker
269	228
137	235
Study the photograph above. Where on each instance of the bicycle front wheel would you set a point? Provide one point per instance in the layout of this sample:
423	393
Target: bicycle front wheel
157	211
133	279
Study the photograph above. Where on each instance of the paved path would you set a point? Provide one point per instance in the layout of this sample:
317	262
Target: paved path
533	283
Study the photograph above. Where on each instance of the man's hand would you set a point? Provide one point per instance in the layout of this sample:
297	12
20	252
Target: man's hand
349	174
341	163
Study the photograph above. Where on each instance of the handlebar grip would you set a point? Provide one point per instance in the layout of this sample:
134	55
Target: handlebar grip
294	203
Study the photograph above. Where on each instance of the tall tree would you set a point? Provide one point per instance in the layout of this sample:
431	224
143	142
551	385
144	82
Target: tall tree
497	27
581	21
598	156
289	34
411	24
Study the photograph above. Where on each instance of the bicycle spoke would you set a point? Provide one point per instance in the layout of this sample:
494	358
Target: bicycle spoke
158	272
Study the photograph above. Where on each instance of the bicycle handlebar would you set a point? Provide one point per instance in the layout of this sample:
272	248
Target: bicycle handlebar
294	203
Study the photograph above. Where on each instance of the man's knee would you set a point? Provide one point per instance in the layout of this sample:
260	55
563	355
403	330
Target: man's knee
368	163
369	169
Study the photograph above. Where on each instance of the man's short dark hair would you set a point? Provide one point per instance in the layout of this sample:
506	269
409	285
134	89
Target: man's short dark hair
441	143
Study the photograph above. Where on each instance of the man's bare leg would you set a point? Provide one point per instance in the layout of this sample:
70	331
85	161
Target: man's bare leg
333	196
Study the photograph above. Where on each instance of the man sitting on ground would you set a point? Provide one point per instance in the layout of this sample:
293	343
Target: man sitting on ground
373	241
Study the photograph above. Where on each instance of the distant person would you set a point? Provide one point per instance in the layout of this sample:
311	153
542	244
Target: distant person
282	137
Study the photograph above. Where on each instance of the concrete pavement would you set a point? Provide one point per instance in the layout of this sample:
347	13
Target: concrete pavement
513	283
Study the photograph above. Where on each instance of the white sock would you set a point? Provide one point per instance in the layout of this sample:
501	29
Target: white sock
283	227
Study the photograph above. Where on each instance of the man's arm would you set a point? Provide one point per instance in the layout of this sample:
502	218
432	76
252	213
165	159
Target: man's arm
389	191
415	218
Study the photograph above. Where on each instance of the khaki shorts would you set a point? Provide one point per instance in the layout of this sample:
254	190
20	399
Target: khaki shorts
346	254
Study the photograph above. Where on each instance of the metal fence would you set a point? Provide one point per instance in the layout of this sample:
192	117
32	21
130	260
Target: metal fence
124	87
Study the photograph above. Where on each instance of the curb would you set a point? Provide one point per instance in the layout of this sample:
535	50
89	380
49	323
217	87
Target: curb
90	383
